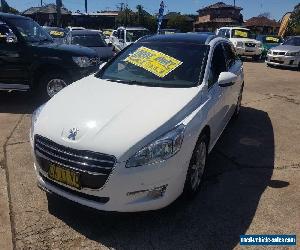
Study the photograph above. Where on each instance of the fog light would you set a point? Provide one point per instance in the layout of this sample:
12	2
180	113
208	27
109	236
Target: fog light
157	192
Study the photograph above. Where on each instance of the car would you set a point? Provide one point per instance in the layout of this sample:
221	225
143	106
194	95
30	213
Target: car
136	135
93	40
268	42
125	36
287	54
58	34
243	41
30	60
70	28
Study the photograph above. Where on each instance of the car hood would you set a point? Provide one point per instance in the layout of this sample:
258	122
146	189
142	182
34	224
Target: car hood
113	118
245	40
66	49
287	48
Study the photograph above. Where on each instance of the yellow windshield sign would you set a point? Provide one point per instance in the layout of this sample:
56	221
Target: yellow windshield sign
56	33
272	39
241	33
153	61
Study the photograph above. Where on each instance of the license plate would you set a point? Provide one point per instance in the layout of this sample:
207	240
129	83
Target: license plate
64	175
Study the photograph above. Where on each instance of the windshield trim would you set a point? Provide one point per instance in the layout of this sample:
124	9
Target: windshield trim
99	74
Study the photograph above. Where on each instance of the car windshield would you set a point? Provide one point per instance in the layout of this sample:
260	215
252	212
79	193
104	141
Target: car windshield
158	64
133	35
241	33
295	41
30	30
94	40
56	32
272	39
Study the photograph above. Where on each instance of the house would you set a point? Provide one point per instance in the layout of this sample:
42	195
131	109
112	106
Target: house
47	15
218	15
263	25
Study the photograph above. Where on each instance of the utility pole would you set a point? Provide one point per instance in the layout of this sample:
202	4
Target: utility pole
85	5
58	11
41	3
234	3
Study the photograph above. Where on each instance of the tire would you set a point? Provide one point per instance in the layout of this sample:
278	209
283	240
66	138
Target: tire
239	103
50	84
196	168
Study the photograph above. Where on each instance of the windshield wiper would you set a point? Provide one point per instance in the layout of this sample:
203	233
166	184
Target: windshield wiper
129	82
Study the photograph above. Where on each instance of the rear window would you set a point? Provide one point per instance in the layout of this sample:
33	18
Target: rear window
89	40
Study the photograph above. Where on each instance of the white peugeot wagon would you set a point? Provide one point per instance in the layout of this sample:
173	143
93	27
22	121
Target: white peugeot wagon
136	135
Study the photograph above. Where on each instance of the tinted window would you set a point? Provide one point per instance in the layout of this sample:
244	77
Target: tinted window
295	41
218	65
229	54
89	40
158	64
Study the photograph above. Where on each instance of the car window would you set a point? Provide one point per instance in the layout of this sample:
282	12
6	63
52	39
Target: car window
158	64
87	40
230	55
295	41
218	65
221	32
227	33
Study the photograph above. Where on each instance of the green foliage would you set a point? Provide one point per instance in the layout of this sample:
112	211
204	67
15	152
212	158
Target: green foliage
140	17
180	22
294	23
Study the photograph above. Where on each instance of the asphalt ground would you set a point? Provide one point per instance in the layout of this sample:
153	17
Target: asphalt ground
251	183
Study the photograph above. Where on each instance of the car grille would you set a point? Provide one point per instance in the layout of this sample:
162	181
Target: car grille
251	45
278	53
94	168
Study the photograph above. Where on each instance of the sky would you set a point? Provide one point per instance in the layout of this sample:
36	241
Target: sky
277	8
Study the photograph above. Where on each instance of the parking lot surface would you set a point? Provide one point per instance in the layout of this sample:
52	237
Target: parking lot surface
251	183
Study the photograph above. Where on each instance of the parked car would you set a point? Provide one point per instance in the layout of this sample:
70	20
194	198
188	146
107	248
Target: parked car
58	34
126	36
268	42
30	60
142	127
287	54
93	40
243	41
70	28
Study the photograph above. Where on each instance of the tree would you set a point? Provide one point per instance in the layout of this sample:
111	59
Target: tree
294	23
179	22
4	7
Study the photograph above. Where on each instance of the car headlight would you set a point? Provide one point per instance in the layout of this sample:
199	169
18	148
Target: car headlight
161	149
239	44
293	53
82	61
34	118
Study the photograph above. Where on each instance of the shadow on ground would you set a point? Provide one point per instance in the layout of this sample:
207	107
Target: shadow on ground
17	102
239	170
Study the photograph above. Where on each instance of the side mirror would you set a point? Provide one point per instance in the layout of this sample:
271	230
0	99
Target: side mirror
227	79
102	65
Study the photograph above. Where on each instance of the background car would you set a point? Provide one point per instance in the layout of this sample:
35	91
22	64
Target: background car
58	34
287	54
91	39
243	40
125	36
268	42
30	60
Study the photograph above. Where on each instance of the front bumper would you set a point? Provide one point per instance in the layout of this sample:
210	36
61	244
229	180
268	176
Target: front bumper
127	189
248	51
287	61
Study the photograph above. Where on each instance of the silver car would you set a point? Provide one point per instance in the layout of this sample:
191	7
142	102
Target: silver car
286	54
93	40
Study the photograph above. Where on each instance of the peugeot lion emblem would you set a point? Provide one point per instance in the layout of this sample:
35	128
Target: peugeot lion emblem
73	133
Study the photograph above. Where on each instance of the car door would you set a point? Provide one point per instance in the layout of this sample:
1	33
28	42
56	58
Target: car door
235	66
14	73
216	94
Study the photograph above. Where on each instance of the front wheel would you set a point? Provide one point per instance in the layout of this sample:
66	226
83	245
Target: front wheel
50	84
196	168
